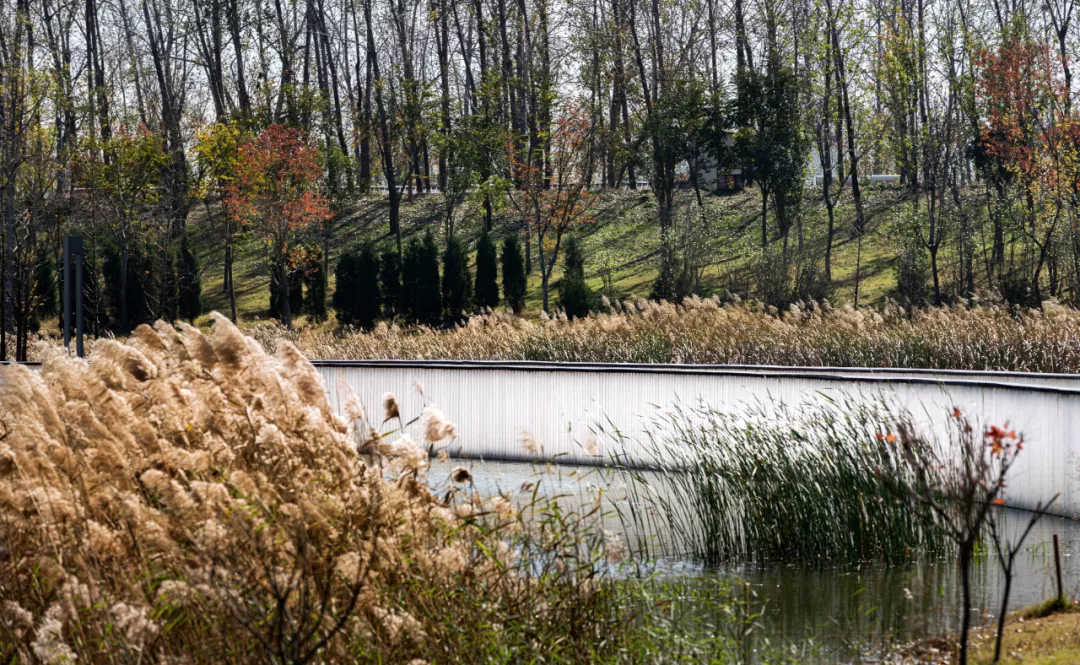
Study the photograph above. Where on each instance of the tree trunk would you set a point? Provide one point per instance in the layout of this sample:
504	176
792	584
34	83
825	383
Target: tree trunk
965	613
233	15
133	62
331	90
1004	609
849	123
209	47
744	57
764	217
124	313
171	112
97	93
858	268
545	274
829	235
528	251
442	42
286	291
934	272
365	138
386	142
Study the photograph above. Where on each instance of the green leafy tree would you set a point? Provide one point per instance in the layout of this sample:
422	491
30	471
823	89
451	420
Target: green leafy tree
513	271
127	186
575	296
188	285
476	160
217	150
676	131
771	143
487	286
456	281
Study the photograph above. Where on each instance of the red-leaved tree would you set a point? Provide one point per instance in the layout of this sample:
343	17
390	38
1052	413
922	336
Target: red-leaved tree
276	192
1028	147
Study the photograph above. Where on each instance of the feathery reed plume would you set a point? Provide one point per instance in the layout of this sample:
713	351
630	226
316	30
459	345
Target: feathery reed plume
436	427
390	407
191	497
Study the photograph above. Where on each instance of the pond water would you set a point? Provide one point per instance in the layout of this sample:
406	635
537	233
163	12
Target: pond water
847	613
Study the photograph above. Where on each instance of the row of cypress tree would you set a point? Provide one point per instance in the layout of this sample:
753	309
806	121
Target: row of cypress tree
371	285
171	289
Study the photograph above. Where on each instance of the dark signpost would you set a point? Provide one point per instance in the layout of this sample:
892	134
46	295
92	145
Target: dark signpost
73	250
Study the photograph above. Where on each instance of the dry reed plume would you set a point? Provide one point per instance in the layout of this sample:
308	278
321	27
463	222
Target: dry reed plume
710	331
190	498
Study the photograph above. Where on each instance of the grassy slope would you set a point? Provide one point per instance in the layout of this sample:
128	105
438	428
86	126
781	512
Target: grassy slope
1042	634
1051	640
622	240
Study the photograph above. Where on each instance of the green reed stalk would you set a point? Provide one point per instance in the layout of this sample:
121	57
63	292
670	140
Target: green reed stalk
813	483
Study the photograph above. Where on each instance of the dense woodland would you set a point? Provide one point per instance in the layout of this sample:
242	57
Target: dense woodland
265	120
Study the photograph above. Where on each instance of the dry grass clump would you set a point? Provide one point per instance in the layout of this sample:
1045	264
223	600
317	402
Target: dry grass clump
189	498
711	331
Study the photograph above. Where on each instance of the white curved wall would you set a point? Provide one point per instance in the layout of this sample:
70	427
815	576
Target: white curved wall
495	405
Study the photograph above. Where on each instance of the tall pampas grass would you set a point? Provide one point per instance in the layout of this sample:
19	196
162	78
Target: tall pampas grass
188	497
710	330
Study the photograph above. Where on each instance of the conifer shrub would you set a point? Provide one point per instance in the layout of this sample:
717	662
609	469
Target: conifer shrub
575	296
513	270
393	303
357	296
456	281
138	268
427	304
45	285
315	279
44	290
486	292
409	275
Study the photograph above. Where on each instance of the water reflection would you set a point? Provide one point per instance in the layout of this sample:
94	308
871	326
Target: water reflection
846	610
